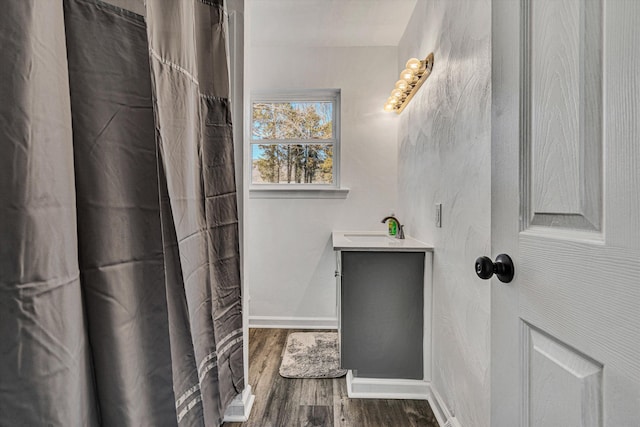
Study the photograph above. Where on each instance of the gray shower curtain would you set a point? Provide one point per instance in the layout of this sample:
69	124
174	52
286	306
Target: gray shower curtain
119	265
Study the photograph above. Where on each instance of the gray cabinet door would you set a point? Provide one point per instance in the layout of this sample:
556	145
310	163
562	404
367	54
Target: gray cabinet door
382	314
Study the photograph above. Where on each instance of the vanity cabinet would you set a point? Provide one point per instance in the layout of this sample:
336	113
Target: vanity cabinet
381	312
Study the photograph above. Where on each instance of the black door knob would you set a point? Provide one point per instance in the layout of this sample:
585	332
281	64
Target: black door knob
503	268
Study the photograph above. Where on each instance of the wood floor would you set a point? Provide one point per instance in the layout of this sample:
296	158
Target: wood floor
283	402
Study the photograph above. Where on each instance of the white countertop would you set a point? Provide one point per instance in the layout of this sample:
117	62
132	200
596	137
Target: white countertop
376	241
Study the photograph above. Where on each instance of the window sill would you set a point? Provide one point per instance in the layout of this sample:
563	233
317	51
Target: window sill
298	193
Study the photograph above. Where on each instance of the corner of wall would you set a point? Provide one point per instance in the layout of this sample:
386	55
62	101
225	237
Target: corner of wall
444	147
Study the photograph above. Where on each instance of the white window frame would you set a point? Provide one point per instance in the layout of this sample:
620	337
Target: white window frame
298	190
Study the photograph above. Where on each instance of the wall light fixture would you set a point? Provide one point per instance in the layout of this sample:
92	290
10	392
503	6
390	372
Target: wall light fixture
411	78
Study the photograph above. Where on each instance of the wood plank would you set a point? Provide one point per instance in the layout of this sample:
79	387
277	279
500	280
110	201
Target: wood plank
315	416
344	413
418	413
317	392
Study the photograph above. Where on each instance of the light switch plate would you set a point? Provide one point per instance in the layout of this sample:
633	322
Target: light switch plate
439	215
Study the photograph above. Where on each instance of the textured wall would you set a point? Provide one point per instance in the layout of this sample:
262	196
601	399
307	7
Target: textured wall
444	157
290	260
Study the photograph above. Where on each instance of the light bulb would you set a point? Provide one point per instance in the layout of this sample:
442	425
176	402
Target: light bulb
402	85
407	75
397	93
392	100
414	64
388	107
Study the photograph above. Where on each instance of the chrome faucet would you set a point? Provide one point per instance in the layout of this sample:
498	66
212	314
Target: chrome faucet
400	233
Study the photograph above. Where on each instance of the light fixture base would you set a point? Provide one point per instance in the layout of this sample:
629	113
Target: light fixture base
428	66
398	103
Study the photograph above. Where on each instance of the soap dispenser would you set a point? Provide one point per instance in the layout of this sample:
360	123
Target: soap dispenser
392	225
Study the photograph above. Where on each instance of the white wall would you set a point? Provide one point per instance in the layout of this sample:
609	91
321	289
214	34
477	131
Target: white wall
444	157
290	261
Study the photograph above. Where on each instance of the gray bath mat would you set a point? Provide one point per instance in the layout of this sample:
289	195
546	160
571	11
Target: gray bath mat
311	355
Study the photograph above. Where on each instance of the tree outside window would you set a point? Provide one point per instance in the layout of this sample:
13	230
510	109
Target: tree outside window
293	141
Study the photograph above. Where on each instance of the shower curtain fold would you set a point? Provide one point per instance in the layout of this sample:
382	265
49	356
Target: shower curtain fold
189	70
119	263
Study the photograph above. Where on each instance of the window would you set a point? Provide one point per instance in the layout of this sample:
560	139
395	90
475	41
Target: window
295	140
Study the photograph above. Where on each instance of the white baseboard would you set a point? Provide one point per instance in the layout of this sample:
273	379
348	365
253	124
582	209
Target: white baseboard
240	407
385	388
440	410
293	322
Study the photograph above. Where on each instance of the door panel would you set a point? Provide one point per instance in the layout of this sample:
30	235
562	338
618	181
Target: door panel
562	113
622	122
566	207
557	373
586	293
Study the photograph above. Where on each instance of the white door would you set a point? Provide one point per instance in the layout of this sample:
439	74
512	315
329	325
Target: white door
566	208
